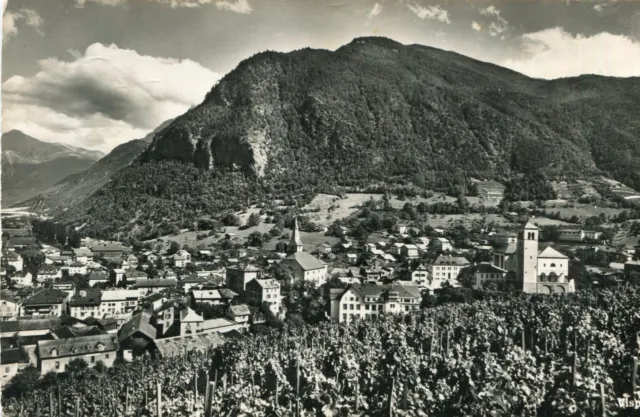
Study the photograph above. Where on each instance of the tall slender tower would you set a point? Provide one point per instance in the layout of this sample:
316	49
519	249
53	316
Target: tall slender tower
295	244
528	258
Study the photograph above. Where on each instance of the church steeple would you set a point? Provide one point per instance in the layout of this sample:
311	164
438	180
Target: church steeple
295	244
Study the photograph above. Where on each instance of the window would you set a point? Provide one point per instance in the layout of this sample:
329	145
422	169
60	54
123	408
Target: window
106	356
344	317
7	370
57	365
366	306
93	359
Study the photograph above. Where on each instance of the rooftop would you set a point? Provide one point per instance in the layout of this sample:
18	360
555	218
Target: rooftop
47	296
306	261
451	260
77	346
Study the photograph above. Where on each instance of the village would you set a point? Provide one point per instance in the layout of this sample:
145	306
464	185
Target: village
104	301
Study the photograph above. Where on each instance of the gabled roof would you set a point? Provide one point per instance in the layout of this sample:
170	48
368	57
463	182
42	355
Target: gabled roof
113	295
486	267
240	310
140	322
507	249
148	283
530	225
451	260
88	297
175	346
206	295
9	356
244	267
77	346
47	296
265	283
549	252
306	261
227	293
188	315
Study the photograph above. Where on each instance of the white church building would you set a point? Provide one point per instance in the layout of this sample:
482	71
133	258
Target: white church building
538	271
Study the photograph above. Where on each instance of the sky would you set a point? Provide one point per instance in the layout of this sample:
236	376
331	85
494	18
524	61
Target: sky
97	73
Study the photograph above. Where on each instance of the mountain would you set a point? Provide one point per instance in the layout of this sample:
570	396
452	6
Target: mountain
372	113
80	185
30	166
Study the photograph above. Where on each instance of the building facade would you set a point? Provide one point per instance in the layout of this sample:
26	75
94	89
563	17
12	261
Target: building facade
368	301
55	355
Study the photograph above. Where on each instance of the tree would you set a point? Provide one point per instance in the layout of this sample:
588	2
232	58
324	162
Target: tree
255	239
253	220
466	278
230	219
100	367
23	383
173	247
76	366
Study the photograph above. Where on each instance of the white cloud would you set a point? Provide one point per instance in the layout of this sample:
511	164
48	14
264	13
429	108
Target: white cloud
104	97
476	26
431	13
237	6
112	3
377	9
498	24
10	22
554	53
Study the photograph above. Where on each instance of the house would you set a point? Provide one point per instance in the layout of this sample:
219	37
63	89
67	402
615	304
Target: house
239	313
54	355
111	251
23	278
133	275
48	273
45	303
571	235
97	277
83	255
420	275
155	285
12	259
9	307
486	272
153	301
504	238
75	268
175	318
132	260
136	334
67	286
306	267
366	301
119	275
409	251
446	268
181	259
12	361
212	296
18	242
191	282
352	258
190	322
324	248
86	303
116	302
58	260
238	276
28	327
267	291
441	244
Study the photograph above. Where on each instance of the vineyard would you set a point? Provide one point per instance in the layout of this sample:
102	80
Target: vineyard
506	355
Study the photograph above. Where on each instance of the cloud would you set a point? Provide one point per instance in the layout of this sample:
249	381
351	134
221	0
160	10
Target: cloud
237	6
431	13
554	53
105	96
498	24
476	26
112	3
10	21
377	8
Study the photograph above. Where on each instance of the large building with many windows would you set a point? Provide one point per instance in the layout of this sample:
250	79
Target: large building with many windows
54	355
365	301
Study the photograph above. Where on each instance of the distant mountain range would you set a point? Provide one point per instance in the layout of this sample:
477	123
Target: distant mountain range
372	113
30	166
78	186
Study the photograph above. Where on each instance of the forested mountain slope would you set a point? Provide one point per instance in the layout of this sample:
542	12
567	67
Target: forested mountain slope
372	112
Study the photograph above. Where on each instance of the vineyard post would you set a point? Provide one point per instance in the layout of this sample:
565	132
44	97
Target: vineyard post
195	386
531	340
207	400
102	400
574	365
446	342
393	383
159	399
634	370
546	345
126	401
277	391
215	383
405	393
357	396
50	403
603	401
59	401
298	387
522	334
588	348
146	398
206	384
77	406
224	384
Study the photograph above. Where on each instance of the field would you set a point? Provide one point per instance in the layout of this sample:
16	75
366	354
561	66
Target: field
582	210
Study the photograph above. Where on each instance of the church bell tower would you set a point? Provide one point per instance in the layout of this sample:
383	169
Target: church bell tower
528	258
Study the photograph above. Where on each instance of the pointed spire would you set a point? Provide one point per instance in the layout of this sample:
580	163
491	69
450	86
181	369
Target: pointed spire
295	244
